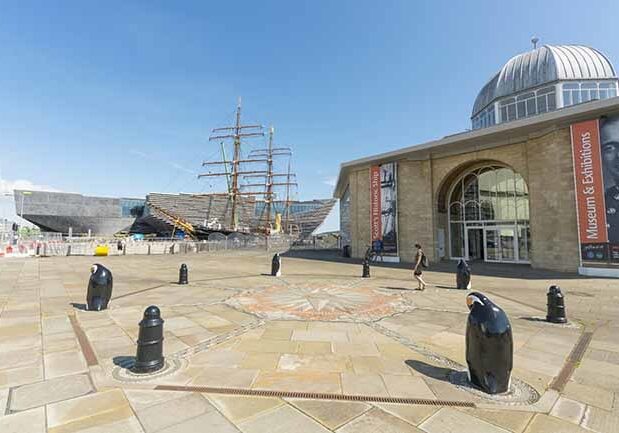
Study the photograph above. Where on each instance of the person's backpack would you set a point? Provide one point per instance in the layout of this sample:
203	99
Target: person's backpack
424	261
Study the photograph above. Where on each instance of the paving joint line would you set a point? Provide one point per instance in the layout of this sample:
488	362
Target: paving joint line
84	342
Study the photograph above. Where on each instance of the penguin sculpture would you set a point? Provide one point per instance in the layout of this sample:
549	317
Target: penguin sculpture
463	276
276	265
489	345
99	288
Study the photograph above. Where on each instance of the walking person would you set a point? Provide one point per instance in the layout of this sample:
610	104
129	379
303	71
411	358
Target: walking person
420	262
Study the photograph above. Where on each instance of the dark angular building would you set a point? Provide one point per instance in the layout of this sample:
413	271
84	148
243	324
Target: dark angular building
59	212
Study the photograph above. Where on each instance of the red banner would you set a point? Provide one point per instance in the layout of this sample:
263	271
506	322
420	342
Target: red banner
589	182
375	204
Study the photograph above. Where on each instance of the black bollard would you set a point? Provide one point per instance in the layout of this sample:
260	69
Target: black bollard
183	274
366	269
463	275
100	287
276	265
556	305
489	345
149	357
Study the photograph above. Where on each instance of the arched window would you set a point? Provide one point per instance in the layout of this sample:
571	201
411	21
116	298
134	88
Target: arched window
488	214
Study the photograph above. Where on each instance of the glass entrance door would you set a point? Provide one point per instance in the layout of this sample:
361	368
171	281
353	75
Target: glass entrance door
509	246
501	244
475	243
491	245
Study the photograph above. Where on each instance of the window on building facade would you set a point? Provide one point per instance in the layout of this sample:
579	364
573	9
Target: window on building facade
579	92
485	118
490	199
528	104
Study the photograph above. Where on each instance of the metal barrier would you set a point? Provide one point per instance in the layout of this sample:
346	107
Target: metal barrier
86	247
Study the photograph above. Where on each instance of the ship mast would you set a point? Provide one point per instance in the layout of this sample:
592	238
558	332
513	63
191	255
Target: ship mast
236	133
287	204
269	154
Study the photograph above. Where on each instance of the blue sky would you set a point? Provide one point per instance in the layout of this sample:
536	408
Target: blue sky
118	98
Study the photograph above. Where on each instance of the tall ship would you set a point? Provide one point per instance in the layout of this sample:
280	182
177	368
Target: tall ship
257	197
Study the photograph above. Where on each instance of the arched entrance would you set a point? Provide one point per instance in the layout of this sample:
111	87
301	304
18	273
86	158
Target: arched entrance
488	216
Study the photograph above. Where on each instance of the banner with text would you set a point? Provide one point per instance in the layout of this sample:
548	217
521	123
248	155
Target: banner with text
383	208
595	149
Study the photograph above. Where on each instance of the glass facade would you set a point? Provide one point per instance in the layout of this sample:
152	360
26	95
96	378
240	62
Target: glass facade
295	207
485	119
579	92
489	216
132	207
543	100
528	104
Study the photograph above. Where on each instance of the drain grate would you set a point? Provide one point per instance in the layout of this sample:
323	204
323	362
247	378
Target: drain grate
573	359
314	395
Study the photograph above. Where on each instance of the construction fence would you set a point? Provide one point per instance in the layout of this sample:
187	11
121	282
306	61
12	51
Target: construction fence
116	247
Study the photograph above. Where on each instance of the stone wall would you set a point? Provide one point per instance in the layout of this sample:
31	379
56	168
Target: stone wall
554	227
415	209
544	162
360	210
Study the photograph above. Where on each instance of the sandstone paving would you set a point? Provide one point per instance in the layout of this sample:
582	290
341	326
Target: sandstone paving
64	363
377	420
590	395
168	413
412	414
600	420
282	419
331	414
239	409
449	420
4	401
542	423
212	420
92	410
49	391
143	398
31	421
313	330
513	421
569	410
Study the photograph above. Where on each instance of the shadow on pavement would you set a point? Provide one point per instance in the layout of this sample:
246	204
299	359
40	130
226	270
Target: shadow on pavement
439	373
126	362
478	268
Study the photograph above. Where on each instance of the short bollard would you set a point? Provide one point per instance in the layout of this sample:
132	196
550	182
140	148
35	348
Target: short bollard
556	305
183	274
276	265
149	357
366	269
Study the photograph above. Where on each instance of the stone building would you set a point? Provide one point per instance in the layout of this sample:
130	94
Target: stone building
535	181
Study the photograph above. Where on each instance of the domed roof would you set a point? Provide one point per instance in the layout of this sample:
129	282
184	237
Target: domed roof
543	65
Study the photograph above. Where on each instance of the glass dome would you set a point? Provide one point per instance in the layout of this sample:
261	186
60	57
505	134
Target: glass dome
542	80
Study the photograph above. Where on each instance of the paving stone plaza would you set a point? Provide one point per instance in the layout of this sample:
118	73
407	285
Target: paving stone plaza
318	349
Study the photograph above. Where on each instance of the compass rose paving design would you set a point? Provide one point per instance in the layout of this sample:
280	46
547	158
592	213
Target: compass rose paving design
324	302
